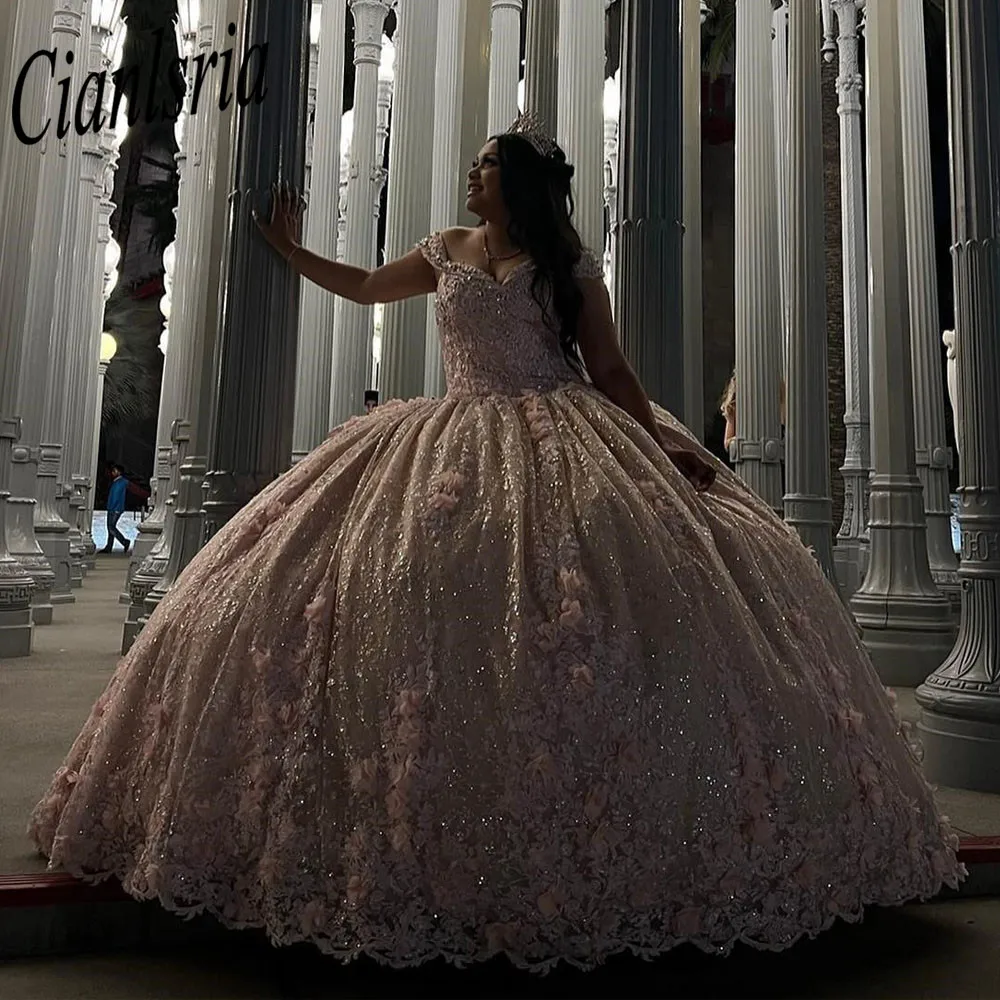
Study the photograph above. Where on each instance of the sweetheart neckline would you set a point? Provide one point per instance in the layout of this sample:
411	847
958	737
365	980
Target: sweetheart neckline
491	278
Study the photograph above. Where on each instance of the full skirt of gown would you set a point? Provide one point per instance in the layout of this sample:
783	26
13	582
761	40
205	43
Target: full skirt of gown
487	675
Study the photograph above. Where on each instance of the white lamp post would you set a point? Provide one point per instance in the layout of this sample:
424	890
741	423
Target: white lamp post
107	34
315	21
612	109
105	15
386	77
188	12
109	348
315	18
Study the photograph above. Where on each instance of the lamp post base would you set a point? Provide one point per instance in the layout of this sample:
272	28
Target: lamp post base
850	559
960	734
906	644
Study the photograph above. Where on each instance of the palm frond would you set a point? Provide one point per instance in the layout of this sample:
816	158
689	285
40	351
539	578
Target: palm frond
157	200
131	393
719	37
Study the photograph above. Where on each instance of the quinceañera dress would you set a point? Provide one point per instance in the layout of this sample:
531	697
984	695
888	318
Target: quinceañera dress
485	674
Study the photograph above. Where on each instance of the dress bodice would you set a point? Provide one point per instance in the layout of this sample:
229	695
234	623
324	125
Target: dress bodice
494	338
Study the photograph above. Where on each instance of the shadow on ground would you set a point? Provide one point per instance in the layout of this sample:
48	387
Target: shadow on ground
945	949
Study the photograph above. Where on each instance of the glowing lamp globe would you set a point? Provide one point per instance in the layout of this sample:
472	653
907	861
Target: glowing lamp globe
387	62
612	99
314	21
346	132
109	347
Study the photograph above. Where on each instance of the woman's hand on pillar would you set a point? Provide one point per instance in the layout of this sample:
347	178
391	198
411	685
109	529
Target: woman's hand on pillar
283	230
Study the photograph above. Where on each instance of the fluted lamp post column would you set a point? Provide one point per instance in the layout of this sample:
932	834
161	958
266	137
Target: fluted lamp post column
352	336
411	150
461	88
648	292
692	262
541	58
151	528
22	583
79	361
53	525
107	40
808	507
932	453
315	17
505	62
383	106
105	280
579	128
852	549
906	621
317	309
612	111
148	556
107	350
960	722
194	323
779	85
38	456
253	411
757	451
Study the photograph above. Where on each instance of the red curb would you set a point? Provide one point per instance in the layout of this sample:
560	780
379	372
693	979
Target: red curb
57	889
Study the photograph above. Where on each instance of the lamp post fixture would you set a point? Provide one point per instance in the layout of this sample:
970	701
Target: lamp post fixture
109	29
188	13
612	110
106	35
108	349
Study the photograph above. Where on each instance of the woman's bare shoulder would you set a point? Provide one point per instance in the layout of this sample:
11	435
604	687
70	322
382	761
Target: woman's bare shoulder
459	239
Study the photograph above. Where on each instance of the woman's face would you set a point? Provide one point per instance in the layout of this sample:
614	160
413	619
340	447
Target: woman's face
485	197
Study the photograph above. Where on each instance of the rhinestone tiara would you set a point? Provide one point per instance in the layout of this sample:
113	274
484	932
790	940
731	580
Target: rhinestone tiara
529	126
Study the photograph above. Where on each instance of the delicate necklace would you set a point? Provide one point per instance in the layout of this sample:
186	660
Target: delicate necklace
492	258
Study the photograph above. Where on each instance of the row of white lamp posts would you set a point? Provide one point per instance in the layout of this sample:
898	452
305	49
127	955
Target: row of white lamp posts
151	530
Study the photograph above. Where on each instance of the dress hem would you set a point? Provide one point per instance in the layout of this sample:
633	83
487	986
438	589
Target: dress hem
459	959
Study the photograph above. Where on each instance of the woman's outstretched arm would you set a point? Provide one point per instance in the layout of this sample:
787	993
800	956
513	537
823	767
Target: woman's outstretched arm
403	278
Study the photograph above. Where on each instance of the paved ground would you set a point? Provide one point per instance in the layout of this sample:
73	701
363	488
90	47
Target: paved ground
940	950
45	699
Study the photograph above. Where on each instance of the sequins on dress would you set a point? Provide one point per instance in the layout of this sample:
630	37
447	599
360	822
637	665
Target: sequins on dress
485	674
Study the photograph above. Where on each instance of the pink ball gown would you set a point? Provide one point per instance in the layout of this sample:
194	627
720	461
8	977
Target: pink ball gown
485	674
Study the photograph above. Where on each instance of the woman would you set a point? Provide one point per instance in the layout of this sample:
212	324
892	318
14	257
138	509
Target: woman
727	407
494	673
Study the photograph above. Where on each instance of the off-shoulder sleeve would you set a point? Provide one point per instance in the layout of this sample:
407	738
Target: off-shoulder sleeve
434	251
589	266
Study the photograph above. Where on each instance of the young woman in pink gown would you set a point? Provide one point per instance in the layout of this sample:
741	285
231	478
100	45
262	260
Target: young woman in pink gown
496	673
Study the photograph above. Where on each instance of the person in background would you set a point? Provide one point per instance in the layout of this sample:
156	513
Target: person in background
120	486
727	407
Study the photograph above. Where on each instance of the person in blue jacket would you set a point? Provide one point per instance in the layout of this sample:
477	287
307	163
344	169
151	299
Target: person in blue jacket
116	507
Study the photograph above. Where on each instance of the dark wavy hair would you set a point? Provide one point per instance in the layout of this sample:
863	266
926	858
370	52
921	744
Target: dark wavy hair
536	191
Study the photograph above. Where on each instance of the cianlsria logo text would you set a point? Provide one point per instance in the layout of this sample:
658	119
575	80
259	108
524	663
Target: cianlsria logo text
89	115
